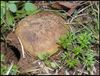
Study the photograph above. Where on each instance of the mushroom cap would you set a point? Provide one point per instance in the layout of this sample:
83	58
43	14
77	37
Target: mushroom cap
39	33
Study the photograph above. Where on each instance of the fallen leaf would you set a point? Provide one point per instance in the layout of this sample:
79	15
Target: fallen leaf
70	6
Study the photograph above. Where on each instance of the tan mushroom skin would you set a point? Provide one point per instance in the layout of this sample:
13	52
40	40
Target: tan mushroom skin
39	33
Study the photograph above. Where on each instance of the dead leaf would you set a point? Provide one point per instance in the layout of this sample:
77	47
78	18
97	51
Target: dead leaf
69	5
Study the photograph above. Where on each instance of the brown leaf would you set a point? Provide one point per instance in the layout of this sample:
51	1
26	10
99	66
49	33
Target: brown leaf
56	5
67	4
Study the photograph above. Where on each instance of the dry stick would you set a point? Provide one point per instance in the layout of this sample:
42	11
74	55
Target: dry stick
56	73
80	12
66	72
76	17
84	8
41	65
86	27
71	23
35	61
82	69
31	70
74	72
23	53
94	69
9	69
46	70
97	61
69	27
82	3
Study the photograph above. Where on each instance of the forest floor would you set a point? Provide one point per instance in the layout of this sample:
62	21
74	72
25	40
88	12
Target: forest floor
80	15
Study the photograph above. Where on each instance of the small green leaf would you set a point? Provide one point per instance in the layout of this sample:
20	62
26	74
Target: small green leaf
41	56
12	7
2	11
14	70
47	62
9	18
71	63
30	7
3	3
3	69
13	1
54	64
2	57
77	50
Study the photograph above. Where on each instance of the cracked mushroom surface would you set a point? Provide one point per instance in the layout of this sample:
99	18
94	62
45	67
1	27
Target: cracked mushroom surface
39	33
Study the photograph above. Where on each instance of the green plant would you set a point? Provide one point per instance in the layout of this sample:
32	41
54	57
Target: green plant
69	59
94	9
84	39
45	58
14	70
2	57
54	65
88	59
79	50
71	63
4	67
30	8
91	21
14	11
66	40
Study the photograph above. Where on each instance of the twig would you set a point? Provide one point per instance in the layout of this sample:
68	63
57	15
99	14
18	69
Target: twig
46	70
82	70
56	73
83	2
23	53
71	23
86	27
97	61
9	69
94	69
84	9
31	70
76	17
35	61
74	72
66	72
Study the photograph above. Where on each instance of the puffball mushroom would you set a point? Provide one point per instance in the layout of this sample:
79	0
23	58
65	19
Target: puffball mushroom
39	33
